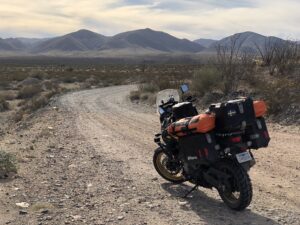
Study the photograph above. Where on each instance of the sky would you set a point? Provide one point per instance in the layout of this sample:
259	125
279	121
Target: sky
191	19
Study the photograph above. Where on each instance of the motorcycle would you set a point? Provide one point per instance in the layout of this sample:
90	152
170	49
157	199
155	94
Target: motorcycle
211	150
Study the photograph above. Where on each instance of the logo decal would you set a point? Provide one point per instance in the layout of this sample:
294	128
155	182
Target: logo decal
192	158
231	113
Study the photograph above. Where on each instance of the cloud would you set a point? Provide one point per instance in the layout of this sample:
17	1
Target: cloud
186	19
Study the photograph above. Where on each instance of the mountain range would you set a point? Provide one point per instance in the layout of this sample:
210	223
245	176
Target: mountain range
143	41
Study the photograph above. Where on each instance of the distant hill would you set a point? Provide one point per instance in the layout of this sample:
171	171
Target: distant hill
248	40
144	40
137	42
153	40
205	42
82	40
11	44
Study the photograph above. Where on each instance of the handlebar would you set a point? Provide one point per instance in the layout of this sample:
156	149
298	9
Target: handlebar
190	99
170	102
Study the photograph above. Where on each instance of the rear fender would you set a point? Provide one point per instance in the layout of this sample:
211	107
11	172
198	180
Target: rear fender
245	165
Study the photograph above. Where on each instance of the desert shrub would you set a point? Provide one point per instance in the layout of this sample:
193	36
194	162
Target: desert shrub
29	91
150	98
7	164
50	85
205	80
37	102
144	96
4	85
234	63
134	95
18	116
279	94
70	69
31	105
8	95
41	205
4	105
163	82
148	87
68	79
92	81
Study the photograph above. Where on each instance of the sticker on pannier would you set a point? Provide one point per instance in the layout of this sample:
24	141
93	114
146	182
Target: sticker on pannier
201	123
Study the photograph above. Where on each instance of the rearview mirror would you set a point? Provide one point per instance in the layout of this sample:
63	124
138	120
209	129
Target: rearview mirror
184	88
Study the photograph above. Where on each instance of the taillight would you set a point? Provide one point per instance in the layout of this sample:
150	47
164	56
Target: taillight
236	139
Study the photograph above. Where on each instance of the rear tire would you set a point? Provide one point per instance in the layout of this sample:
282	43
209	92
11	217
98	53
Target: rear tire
161	161
238	183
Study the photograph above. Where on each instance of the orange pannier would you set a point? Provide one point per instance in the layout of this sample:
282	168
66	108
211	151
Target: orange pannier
260	108
201	123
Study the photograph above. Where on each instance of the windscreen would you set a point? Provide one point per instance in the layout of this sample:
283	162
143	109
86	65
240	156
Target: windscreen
165	95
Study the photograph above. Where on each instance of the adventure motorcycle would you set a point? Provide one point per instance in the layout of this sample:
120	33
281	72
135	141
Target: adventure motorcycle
211	149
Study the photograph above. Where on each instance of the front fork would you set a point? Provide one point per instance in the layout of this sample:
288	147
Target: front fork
162	146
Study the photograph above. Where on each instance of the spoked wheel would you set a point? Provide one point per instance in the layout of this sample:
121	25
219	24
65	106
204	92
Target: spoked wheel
236	191
169	169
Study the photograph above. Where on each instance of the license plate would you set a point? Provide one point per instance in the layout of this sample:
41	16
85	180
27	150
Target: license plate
243	157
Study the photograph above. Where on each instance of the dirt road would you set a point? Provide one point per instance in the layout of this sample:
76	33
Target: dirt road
92	164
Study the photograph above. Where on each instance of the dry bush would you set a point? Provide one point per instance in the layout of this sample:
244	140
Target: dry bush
50	85
36	103
205	80
163	82
134	95
148	87
150	98
8	95
287	57
4	105
8	164
29	91
281	58
280	94
68	78
234	63
92	81
38	206
18	116
28	106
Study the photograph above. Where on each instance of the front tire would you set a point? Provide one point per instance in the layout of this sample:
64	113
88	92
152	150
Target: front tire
236	191
167	168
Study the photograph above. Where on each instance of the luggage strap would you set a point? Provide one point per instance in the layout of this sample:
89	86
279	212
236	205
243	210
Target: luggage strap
186	124
185	127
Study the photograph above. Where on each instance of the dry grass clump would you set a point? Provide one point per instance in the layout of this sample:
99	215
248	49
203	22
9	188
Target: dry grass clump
38	206
205	80
29	91
31	105
279	93
134	95
151	85
150	98
4	105
147	97
8	95
8	164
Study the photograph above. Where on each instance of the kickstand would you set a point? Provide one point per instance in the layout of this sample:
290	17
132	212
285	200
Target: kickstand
193	189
